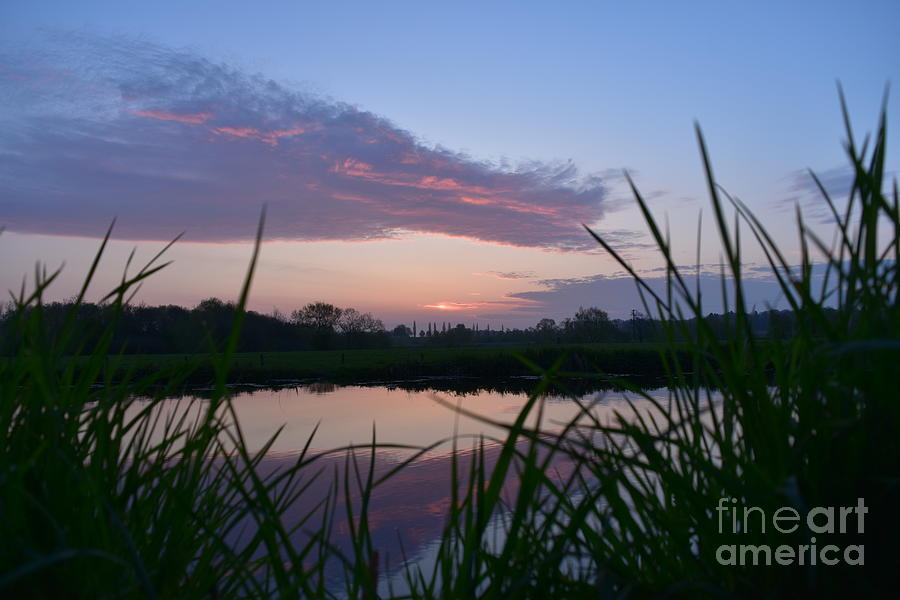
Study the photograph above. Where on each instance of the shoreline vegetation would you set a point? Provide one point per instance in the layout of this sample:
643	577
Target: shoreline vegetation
101	503
637	362
174	329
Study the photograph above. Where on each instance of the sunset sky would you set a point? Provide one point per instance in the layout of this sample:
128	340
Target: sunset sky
419	160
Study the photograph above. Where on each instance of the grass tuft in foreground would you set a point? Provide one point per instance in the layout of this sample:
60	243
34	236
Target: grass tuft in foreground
103	495
811	421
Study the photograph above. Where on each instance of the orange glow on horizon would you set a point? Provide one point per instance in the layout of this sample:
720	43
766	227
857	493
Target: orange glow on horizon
505	302
451	306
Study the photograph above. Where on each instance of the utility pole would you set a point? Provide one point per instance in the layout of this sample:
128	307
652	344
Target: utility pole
637	333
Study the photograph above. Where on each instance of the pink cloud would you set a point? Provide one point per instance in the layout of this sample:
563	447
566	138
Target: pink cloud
270	137
508	274
164	115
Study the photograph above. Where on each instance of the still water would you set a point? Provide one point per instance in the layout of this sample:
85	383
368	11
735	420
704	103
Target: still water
412	504
344	415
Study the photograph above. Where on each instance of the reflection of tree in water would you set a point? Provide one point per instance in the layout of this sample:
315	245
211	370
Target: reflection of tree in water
453	386
470	386
320	387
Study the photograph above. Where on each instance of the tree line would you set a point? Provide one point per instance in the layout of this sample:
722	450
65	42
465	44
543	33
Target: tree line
172	329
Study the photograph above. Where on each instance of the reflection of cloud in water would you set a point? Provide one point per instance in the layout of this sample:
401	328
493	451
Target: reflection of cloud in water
412	503
410	506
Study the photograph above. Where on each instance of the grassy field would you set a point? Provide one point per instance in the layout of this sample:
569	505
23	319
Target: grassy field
353	366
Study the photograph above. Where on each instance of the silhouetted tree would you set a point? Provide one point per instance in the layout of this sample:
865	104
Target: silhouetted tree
589	325
545	325
318	315
321	319
361	330
401	331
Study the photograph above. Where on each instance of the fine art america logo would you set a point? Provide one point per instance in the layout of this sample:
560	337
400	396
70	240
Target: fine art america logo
821	520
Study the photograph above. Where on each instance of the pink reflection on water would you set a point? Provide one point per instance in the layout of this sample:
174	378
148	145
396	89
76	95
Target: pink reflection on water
412	504
346	415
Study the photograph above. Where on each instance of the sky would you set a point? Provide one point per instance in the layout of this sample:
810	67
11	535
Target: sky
428	161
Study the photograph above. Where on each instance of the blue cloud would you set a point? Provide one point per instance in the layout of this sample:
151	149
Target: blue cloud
168	140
